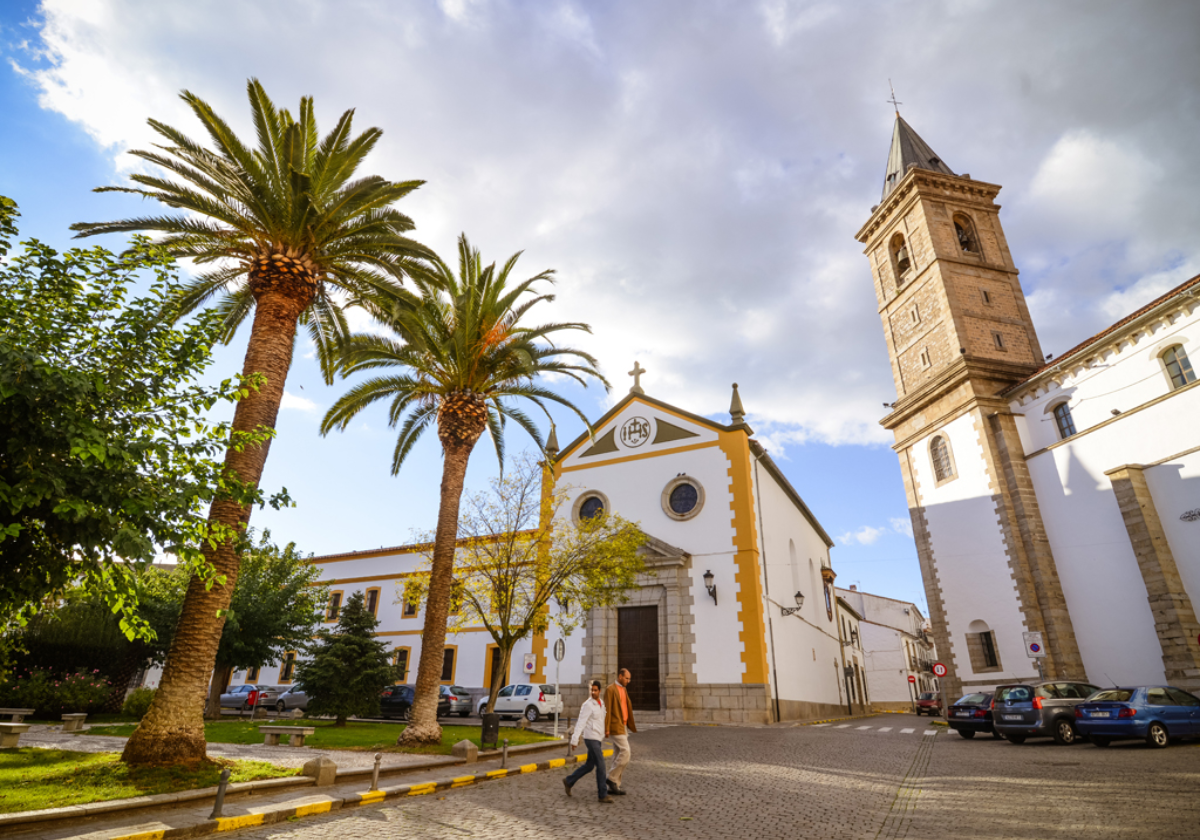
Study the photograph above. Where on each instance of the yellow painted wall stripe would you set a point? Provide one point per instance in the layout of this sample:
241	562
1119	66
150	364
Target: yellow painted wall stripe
641	456
244	821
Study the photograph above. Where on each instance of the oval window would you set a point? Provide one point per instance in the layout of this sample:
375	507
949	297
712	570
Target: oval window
684	498
591	507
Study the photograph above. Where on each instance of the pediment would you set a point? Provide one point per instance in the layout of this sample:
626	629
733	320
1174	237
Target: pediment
639	426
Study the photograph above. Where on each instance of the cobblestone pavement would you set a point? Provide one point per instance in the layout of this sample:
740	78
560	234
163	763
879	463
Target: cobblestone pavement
818	782
52	737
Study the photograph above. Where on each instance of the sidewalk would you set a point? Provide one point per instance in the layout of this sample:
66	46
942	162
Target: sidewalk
262	808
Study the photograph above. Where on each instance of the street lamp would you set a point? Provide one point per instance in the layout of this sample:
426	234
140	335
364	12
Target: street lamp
710	586
799	604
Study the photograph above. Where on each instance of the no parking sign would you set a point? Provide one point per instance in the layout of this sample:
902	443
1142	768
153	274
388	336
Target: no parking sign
1034	647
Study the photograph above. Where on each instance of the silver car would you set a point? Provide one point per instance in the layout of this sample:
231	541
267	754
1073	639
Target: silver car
238	696
460	700
293	697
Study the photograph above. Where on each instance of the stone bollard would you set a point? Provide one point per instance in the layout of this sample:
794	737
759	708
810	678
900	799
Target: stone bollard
466	750
322	769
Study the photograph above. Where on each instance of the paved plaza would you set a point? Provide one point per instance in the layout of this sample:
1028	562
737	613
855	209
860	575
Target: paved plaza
879	777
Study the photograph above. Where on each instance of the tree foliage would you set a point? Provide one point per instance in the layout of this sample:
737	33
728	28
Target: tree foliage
522	564
347	668
106	455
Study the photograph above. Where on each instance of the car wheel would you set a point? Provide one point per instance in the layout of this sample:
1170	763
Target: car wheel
1015	739
1100	742
281	707
531	714
966	733
245	707
406	715
1156	735
1064	732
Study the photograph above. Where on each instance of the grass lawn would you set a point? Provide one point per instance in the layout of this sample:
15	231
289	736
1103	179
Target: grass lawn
354	735
32	779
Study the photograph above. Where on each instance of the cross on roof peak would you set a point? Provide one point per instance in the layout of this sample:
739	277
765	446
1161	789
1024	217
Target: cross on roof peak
636	373
895	102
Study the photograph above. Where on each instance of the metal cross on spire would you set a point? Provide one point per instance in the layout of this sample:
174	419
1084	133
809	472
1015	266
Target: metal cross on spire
636	373
895	103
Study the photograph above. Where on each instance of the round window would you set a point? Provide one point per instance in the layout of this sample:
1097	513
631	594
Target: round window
682	498
591	506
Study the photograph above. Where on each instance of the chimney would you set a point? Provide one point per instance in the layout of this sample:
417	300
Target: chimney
853	587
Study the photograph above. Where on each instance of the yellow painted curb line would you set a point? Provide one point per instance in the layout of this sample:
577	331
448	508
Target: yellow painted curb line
244	821
422	789
370	796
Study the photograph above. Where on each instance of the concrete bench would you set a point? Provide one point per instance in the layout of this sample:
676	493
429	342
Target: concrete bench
10	734
74	722
296	734
18	715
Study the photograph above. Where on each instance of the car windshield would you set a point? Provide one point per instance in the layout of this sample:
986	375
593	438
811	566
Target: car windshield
972	700
928	695
457	689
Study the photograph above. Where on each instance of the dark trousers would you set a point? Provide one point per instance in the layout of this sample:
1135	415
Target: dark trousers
595	761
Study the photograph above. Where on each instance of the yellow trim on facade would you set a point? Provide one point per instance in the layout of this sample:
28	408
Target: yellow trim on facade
753	635
419	632
641	455
368	579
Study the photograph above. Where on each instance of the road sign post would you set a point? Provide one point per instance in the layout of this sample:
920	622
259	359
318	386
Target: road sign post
1035	649
939	671
560	650
912	691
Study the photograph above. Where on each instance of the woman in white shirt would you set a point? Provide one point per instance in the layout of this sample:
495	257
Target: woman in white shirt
590	727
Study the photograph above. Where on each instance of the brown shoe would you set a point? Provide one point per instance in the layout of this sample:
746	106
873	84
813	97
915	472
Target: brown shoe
567	785
608	800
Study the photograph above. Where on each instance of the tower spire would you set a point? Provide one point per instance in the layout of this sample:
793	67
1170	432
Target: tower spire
909	150
736	413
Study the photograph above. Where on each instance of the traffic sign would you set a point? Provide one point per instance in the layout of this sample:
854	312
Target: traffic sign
939	670
530	663
560	650
911	678
1035	648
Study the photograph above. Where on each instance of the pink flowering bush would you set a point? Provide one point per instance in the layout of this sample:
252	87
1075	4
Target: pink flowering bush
53	693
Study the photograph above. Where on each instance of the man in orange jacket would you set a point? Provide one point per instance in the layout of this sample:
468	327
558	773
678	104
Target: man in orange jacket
618	723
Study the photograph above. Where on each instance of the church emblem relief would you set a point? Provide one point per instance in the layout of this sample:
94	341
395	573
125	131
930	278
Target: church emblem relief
1191	515
635	432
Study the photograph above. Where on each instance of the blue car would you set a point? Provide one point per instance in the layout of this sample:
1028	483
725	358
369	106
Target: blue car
1158	714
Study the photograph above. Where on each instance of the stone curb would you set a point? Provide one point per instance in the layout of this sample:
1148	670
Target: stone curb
325	805
834	720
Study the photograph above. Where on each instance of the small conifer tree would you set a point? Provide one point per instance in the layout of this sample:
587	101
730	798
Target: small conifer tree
348	667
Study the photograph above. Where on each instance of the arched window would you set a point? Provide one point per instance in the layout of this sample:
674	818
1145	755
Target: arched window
939	453
1179	368
900	259
1062	417
965	231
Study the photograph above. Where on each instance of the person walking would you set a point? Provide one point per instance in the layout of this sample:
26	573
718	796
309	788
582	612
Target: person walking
618	723
590	727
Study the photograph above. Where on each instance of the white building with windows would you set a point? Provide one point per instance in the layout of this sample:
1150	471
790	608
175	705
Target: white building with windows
1051	495
896	644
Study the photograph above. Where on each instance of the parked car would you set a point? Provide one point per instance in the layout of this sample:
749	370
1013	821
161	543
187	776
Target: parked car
459	698
929	704
291	698
268	695
397	700
1041	710
531	700
241	697
972	713
1160	714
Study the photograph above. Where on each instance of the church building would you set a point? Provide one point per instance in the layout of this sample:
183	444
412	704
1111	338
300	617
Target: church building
734	619
1058	496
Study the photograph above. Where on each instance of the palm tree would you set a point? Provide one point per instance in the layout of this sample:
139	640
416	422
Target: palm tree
283	227
461	356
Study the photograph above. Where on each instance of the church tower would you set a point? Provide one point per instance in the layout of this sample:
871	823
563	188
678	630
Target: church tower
958	334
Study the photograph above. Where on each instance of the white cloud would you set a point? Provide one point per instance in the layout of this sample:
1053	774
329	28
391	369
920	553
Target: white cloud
866	535
299	403
902	525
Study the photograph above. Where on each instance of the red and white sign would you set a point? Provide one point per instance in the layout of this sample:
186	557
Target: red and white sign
939	670
911	678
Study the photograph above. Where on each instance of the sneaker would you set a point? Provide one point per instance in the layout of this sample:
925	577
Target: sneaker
608	800
567	785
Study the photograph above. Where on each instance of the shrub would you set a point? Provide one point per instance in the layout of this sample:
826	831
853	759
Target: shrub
138	702
54	693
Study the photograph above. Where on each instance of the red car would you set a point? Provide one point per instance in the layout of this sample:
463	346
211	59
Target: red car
929	704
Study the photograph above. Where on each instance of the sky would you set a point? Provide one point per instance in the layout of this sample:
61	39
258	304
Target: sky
694	171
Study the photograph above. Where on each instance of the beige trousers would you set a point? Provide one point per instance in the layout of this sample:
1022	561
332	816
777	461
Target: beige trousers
621	742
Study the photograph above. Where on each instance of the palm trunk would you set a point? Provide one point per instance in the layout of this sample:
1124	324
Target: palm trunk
172	732
424	727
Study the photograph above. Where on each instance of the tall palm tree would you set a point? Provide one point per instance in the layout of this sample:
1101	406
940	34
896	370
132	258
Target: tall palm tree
283	227
459	359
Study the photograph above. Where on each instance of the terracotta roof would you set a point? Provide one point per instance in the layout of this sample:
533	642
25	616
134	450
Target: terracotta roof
1128	319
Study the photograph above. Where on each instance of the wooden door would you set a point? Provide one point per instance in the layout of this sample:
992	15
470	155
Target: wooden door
637	650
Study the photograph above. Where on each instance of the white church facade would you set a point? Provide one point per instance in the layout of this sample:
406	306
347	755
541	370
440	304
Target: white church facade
1059	496
713	630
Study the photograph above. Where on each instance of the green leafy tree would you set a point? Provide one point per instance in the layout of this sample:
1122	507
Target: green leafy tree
460	358
105	453
281	229
348	667
517	554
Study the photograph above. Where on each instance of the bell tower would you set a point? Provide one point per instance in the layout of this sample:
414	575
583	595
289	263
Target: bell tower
958	334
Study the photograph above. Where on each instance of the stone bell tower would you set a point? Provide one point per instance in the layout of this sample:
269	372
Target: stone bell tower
958	333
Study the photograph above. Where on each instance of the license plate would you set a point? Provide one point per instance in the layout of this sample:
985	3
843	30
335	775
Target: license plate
1014	717
1100	714
963	714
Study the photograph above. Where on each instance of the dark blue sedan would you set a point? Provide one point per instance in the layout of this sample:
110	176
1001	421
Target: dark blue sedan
1157	714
